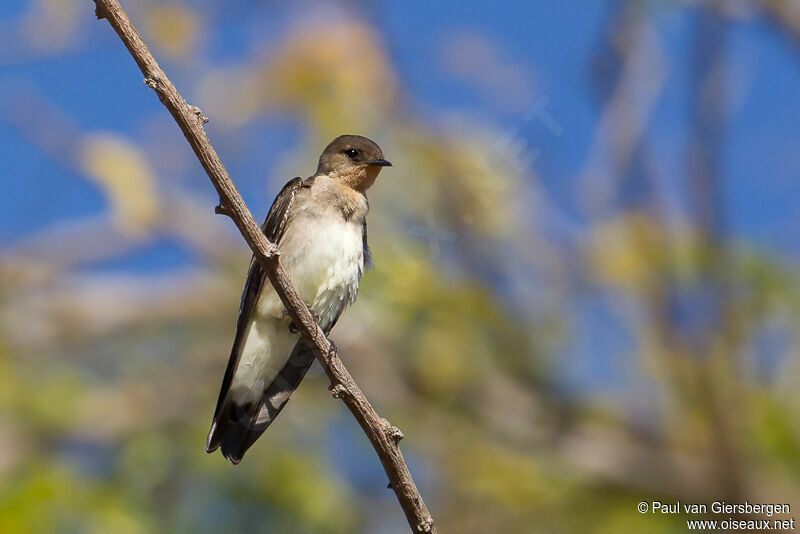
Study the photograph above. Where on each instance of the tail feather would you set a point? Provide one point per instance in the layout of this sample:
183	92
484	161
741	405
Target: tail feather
236	427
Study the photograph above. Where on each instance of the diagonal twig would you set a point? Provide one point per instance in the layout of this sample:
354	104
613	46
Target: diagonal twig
382	434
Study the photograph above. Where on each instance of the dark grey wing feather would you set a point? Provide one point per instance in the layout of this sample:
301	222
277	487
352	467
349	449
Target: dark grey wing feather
367	251
280	212
274	227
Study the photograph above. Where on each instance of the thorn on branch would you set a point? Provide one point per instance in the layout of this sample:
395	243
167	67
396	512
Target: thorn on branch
198	113
338	391
389	485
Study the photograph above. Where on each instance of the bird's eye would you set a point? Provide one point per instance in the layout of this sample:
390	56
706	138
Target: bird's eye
351	153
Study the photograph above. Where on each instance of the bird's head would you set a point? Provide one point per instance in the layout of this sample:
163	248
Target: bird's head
353	160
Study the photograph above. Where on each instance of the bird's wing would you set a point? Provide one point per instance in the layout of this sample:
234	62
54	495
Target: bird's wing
274	227
367	253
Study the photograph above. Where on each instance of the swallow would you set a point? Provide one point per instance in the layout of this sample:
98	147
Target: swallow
320	227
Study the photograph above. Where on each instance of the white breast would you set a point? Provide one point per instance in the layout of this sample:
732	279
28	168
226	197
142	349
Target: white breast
323	257
326	264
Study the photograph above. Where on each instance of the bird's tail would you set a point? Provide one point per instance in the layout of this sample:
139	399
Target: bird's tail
237	426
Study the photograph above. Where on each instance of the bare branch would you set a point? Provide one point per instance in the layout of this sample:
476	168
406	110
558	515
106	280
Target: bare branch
191	120
786	15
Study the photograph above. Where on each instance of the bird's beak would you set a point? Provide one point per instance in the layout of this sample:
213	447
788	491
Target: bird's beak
379	163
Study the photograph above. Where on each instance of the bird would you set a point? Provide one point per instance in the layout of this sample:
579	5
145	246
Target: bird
320	227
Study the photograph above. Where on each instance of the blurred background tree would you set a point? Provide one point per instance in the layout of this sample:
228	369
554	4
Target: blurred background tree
586	288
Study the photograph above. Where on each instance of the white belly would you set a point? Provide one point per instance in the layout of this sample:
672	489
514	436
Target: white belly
324	261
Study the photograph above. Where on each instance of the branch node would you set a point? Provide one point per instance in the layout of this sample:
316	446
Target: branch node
198	113
333	350
425	526
222	209
100	12
394	433
151	82
338	391
273	250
